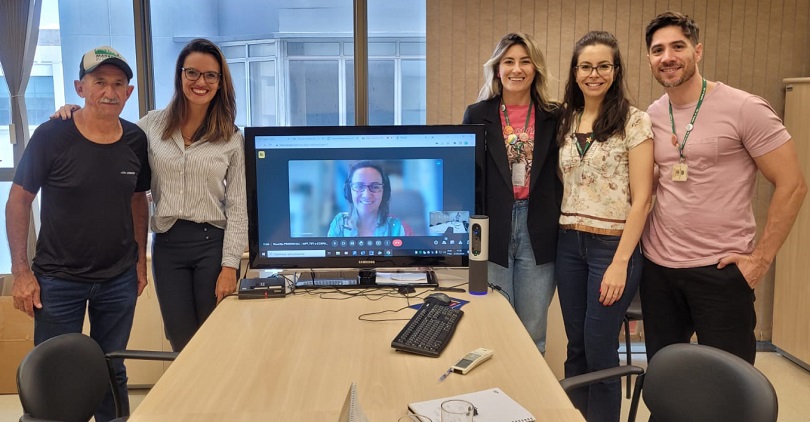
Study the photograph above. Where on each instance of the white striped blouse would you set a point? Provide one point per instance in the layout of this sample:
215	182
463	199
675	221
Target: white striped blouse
204	183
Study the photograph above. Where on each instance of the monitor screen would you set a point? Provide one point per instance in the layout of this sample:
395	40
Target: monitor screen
362	196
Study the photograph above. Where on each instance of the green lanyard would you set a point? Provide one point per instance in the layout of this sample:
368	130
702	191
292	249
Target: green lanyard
582	151
691	124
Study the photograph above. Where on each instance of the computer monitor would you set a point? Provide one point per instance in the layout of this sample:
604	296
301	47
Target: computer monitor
312	192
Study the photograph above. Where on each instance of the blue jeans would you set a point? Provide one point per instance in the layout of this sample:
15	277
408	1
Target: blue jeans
528	286
111	308
592	328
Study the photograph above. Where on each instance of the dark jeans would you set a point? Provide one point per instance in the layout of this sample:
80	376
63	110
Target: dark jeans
111	308
716	304
186	261
592	328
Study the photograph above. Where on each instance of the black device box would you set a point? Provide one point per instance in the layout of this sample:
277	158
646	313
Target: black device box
263	287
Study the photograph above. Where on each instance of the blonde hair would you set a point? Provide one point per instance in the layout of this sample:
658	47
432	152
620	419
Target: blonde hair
492	83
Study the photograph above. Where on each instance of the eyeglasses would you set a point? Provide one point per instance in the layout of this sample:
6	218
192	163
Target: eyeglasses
602	69
194	74
373	188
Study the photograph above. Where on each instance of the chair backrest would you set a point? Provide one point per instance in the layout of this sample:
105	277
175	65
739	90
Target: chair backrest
690	382
63	378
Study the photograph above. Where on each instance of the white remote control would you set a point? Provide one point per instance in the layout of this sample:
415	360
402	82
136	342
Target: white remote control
471	360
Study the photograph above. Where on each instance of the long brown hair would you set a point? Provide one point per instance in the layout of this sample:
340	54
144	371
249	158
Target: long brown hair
614	109
492	83
221	114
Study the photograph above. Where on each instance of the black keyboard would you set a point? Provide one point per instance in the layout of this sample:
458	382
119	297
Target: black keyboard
429	330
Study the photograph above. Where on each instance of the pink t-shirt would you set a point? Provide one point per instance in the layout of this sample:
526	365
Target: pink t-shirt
520	150
697	222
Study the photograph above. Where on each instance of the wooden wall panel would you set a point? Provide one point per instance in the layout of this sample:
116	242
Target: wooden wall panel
748	44
554	46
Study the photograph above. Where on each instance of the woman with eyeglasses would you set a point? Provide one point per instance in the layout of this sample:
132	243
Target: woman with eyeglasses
606	161
522	189
198	190
368	192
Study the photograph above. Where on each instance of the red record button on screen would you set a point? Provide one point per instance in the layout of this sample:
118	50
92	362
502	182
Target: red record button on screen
397	242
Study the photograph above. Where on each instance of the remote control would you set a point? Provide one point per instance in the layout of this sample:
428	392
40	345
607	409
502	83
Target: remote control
471	360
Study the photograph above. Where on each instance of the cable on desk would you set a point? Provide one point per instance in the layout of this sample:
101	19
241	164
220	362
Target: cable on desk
498	288
362	317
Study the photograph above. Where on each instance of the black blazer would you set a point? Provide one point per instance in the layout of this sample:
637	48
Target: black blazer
545	188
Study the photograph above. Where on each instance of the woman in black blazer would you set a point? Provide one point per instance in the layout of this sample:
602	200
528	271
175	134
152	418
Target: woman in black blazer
523	192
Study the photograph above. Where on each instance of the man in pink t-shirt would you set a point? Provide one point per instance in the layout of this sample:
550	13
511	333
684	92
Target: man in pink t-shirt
701	260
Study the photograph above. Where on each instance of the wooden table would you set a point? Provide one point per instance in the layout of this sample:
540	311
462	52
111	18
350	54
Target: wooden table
294	358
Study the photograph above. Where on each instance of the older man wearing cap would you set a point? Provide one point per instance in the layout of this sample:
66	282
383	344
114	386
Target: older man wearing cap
93	172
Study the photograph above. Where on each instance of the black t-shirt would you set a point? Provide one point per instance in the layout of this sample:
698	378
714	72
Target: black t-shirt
87	231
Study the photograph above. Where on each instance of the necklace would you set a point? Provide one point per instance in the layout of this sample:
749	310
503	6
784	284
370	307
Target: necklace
509	132
187	140
582	149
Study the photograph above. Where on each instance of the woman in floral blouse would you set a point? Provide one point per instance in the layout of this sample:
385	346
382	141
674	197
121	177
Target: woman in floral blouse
606	163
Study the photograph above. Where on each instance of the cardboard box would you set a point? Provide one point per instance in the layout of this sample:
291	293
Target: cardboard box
16	340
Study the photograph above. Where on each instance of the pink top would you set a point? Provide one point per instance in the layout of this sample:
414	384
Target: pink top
520	149
697	222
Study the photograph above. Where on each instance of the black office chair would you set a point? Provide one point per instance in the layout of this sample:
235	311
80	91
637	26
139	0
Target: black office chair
690	382
66	377
633	313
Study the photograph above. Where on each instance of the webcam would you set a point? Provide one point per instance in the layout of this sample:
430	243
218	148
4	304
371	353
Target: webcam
475	243
479	254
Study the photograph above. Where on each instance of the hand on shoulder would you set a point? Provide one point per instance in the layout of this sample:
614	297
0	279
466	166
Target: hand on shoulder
65	112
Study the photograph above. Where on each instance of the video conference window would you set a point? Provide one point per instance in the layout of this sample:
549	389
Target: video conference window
364	198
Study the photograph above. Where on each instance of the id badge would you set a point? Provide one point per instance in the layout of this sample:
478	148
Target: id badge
680	172
519	174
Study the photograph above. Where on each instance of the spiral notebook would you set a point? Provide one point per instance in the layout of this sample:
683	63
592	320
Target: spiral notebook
492	405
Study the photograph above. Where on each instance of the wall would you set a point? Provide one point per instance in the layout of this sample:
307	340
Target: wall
749	44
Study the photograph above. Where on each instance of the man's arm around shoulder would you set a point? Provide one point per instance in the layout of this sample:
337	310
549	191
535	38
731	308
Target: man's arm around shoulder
781	167
18	217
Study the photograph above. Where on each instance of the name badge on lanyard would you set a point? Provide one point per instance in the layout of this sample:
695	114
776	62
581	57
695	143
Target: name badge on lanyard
519	174
680	171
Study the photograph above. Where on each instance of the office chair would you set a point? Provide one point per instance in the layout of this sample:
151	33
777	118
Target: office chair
696	383
633	313
66	377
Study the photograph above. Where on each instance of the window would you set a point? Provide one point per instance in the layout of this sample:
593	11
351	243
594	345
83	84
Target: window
65	33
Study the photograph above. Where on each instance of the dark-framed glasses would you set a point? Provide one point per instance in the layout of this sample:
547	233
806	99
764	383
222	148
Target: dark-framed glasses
373	187
193	74
601	69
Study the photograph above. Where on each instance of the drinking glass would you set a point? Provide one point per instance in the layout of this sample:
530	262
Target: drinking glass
457	411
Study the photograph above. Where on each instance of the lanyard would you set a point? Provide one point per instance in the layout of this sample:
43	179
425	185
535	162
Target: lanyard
691	124
582	151
509	131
